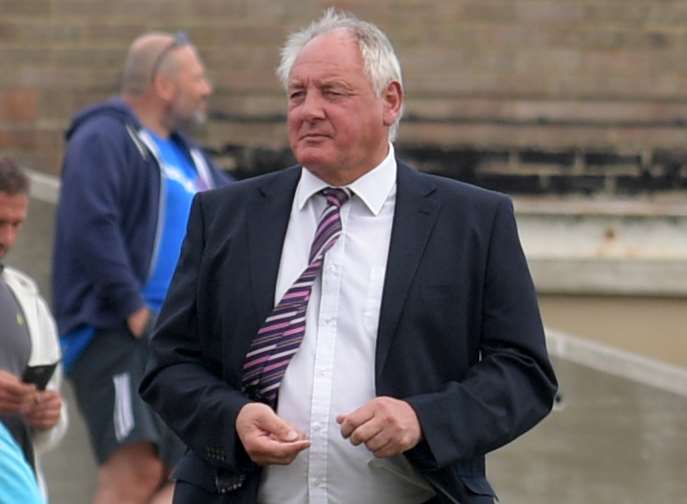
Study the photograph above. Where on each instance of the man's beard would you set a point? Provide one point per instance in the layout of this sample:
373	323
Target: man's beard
199	117
191	122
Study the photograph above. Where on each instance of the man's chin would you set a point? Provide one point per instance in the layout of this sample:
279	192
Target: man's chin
313	153
199	118
189	124
313	161
195	121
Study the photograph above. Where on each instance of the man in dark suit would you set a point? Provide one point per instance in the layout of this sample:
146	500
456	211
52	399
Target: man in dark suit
347	330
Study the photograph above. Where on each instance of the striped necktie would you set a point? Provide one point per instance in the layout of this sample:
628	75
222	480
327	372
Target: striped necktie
280	336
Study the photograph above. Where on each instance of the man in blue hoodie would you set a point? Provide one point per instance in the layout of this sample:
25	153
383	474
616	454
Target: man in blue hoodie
128	179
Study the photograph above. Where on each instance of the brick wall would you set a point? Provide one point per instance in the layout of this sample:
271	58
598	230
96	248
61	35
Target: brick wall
522	95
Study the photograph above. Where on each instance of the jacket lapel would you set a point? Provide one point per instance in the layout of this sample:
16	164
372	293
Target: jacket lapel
417	208
270	213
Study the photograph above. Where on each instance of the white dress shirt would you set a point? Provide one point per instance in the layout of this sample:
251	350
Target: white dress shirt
333	371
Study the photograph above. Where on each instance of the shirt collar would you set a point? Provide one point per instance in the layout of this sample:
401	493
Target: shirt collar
372	188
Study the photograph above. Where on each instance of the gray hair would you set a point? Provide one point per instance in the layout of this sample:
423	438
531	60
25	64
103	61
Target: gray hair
13	180
379	59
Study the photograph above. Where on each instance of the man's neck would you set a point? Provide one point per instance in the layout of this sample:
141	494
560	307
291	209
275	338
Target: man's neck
148	114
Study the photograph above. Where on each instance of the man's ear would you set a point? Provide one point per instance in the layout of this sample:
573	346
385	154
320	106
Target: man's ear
393	102
164	87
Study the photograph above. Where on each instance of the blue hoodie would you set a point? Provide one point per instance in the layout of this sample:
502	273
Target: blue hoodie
107	218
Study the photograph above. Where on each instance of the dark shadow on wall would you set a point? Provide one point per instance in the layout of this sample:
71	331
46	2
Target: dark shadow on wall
513	170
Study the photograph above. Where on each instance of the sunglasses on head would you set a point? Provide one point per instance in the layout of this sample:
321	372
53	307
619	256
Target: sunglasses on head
180	39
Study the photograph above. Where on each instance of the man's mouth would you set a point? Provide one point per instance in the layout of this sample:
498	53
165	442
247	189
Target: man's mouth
314	136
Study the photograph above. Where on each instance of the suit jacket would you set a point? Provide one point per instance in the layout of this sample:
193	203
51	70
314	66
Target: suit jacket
460	336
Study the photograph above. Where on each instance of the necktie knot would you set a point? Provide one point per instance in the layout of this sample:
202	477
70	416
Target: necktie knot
336	196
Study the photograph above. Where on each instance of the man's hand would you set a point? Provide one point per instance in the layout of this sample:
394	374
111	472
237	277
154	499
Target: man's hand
15	396
44	413
267	438
387	426
138	321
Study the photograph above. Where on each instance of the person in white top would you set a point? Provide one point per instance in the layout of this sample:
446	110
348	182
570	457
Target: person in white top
31	407
404	344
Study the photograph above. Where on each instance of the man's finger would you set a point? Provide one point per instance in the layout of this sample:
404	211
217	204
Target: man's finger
352	421
272	451
50	395
261	418
278	428
366	432
49	400
41	419
386	450
11	399
14	395
19	389
10	407
17	397
379	441
287	451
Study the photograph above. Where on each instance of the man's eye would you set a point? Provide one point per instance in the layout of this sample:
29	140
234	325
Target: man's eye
295	95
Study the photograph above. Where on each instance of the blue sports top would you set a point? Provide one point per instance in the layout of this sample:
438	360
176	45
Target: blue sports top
181	183
17	480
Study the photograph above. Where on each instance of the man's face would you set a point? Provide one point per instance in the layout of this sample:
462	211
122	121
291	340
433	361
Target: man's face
13	210
191	89
338	127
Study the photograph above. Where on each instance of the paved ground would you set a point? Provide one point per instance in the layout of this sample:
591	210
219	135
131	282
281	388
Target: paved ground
614	441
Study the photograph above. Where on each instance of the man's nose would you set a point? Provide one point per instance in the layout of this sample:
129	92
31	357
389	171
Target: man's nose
312	106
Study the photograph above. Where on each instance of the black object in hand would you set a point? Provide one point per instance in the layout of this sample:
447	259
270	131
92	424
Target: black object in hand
39	375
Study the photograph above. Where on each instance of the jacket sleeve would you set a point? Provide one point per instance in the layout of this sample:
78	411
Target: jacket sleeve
44	440
183	380
90	214
511	387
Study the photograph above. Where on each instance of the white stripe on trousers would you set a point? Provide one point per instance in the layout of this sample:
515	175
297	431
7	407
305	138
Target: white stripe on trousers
123	417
